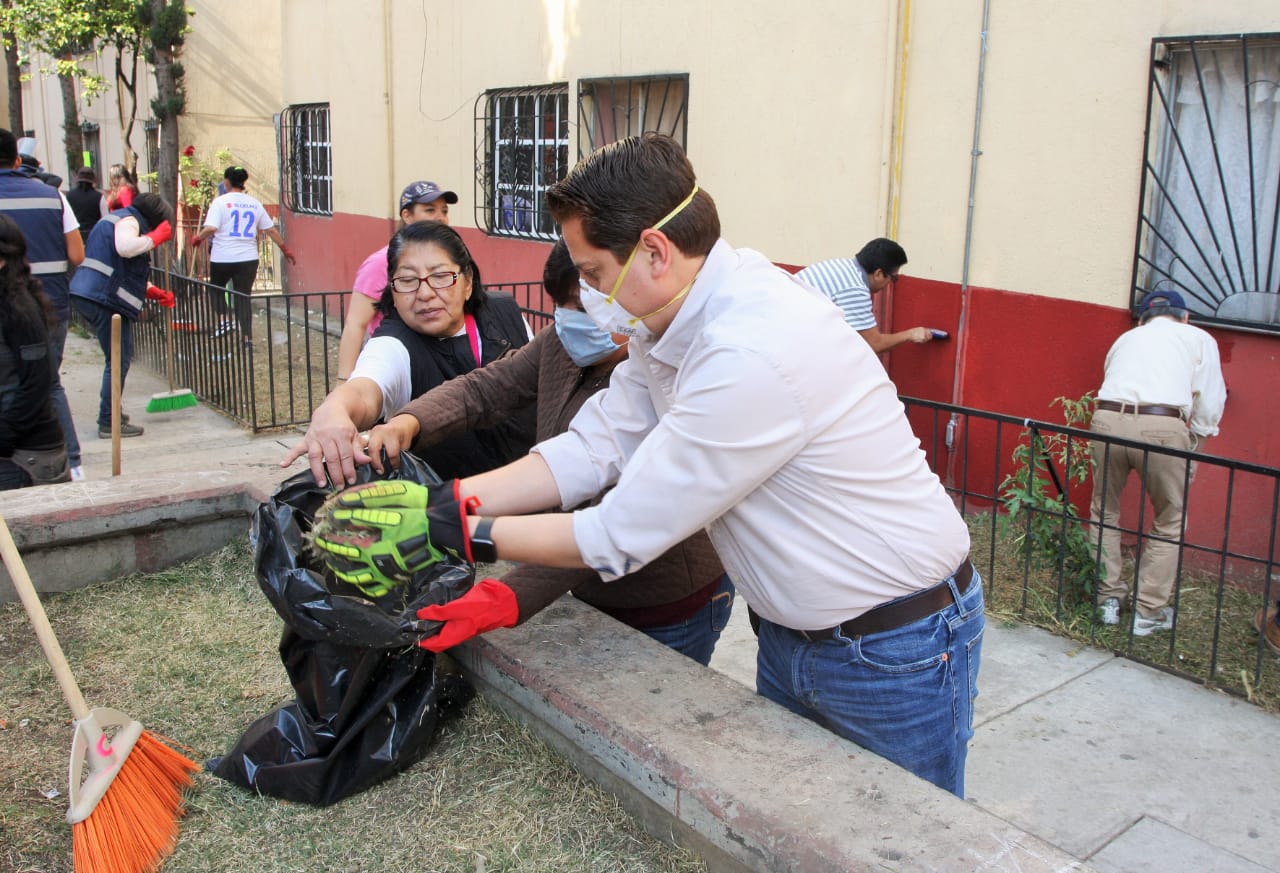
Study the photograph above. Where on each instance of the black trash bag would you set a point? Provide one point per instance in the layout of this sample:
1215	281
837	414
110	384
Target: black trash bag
369	700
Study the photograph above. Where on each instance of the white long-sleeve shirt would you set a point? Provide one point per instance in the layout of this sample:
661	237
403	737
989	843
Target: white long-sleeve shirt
1169	363
756	417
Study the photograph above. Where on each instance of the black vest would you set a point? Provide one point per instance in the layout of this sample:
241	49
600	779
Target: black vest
86	203
433	361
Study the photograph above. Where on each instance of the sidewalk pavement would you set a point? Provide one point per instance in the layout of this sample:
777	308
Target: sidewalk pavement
1121	766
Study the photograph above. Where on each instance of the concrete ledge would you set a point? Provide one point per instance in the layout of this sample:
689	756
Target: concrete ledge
703	761
79	533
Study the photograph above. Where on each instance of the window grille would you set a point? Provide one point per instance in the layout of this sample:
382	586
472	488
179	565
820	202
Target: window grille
616	108
522	149
306	159
152	129
1210	206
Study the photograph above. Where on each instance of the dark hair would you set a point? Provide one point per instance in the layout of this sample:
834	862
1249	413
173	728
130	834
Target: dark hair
437	233
560	275
153	208
626	187
8	148
22	300
236	176
881	254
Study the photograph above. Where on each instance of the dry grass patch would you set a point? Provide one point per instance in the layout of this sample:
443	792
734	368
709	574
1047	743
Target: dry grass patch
191	653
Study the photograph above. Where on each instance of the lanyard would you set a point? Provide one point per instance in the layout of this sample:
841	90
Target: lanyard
474	336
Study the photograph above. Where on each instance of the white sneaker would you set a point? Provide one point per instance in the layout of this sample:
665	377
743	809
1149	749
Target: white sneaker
77	474
1144	627
1109	610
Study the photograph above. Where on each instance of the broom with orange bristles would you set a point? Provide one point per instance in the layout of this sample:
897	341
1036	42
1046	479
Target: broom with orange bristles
124	810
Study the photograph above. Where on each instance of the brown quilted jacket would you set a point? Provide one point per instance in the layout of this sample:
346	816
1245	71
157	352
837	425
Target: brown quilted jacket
542	370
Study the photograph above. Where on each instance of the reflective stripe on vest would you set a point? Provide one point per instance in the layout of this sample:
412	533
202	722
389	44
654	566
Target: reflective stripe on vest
16	203
44	268
132	299
96	265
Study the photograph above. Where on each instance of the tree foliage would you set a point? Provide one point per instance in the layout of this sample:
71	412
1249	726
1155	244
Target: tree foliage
65	30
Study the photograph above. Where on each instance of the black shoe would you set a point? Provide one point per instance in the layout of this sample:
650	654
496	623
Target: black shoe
126	430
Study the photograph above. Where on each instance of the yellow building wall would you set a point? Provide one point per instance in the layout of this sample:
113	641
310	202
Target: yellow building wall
1063	115
792	114
234	82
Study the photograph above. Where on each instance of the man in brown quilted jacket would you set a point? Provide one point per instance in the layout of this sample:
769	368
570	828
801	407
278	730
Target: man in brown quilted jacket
684	598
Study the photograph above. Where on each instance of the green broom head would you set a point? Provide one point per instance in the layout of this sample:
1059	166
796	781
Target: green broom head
182	398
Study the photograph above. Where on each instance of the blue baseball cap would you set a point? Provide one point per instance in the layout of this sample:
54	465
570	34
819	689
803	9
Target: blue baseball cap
1170	299
424	192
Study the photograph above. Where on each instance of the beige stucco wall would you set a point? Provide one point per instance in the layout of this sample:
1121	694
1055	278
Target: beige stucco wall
234	81
1064	110
791	113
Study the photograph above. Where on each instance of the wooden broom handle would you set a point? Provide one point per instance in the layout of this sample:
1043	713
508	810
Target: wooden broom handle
115	395
40	621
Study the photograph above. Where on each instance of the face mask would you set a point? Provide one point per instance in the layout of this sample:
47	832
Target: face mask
607	313
582	339
609	316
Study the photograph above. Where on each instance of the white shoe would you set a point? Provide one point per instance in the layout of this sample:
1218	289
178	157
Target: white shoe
1145	627
77	474
1109	610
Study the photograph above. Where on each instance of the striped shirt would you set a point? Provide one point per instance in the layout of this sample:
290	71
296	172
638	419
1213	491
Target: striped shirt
845	282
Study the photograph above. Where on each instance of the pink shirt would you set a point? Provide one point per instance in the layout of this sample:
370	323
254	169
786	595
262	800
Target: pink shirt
371	279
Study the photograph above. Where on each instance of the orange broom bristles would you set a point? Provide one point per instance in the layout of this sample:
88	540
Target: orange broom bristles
135	825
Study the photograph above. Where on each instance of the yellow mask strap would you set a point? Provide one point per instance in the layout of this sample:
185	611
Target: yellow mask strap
631	257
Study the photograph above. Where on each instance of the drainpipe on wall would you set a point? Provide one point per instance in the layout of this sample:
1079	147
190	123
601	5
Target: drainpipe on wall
390	136
962	335
894	121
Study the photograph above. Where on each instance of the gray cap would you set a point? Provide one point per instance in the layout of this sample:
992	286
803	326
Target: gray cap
424	192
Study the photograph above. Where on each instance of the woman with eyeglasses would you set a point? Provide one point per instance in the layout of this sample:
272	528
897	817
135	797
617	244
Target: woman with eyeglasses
438	322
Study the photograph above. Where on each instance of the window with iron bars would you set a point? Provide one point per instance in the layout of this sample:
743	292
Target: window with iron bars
1209	219
522	149
616	108
306	159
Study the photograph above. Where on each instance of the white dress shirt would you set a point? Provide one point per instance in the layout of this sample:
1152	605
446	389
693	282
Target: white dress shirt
1167	362
756	417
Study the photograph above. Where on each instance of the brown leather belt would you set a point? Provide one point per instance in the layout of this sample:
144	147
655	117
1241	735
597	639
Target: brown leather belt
1140	408
898	612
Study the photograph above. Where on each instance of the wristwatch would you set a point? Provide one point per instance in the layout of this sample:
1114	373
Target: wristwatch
482	547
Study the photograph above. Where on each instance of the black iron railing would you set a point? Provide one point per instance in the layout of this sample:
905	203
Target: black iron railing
265	360
1228	565
1039	562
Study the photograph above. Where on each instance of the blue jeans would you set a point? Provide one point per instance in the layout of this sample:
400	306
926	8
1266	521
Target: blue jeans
57	343
697	635
99	318
12	476
905	694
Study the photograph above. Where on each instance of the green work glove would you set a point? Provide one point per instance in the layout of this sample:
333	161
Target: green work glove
376	536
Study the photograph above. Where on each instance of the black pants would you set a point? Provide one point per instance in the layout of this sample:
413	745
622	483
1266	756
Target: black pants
239	276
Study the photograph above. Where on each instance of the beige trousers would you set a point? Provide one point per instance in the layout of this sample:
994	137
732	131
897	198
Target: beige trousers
1165	484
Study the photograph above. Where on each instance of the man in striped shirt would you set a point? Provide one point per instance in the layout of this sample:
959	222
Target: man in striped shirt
850	282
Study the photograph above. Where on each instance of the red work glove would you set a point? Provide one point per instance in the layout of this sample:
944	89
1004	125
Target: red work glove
196	241
288	255
162	233
488	605
161	296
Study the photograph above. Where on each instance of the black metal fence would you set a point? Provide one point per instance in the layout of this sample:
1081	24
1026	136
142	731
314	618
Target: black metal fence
1039	555
265	360
1029	518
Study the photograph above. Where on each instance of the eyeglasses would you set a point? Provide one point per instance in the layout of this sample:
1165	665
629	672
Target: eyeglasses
411	284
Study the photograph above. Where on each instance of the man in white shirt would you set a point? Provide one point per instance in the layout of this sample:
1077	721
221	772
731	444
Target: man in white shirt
814	491
850	282
1162	384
